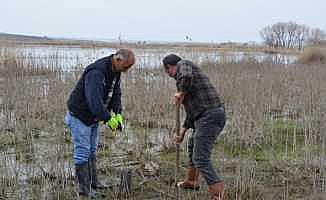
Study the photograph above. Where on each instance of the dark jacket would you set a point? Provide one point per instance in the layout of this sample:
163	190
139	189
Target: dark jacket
97	93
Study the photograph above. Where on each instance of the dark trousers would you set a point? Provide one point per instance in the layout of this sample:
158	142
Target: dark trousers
207	127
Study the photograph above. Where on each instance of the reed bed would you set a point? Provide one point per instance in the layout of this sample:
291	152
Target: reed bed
273	146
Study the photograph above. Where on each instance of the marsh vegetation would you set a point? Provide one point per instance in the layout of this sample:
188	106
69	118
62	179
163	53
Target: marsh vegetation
273	146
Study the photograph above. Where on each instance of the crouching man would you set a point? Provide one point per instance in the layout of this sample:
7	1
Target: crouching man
205	114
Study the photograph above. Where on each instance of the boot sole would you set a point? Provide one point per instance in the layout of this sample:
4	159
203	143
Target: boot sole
187	187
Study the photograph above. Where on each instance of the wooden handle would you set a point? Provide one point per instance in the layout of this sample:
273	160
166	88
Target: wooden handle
177	125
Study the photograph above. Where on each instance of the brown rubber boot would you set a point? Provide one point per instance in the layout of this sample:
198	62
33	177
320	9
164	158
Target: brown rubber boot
191	181
217	191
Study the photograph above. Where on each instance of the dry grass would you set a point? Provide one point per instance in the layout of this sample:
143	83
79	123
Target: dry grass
274	135
312	55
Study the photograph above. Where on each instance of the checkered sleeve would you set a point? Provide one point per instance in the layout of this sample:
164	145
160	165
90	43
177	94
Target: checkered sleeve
184	76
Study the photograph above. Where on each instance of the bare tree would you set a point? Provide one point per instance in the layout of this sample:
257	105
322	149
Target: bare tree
301	34
268	36
279	30
292	26
316	35
290	35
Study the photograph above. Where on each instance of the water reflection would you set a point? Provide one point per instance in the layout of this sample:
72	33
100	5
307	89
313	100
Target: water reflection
68	58
24	162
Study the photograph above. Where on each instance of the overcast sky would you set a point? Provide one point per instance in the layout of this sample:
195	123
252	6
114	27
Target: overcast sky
157	20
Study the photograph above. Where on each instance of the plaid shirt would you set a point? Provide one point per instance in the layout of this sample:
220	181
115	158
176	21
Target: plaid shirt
200	93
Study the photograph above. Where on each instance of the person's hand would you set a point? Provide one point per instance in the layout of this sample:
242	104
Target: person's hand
112	123
179	139
178	97
120	120
115	122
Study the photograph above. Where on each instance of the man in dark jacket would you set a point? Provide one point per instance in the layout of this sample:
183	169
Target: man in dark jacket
95	98
205	114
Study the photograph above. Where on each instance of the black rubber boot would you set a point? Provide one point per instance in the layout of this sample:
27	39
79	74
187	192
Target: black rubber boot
95	183
83	180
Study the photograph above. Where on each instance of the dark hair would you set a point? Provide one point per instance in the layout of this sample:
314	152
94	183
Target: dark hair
171	59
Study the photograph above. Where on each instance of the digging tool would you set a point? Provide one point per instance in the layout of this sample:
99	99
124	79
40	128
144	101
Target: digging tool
177	170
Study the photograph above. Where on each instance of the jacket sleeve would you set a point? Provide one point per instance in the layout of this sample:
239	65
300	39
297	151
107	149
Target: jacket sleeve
94	92
184	76
115	102
188	123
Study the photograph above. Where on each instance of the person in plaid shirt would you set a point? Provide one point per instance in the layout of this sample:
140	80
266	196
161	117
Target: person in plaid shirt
204	114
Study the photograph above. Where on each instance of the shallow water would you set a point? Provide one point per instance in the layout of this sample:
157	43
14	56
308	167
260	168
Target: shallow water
69	58
48	157
24	161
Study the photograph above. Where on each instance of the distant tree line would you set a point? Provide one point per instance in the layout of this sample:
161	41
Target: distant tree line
291	35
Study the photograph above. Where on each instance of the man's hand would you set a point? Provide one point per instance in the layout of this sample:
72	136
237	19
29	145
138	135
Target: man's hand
115	122
112	123
178	97
120	120
178	139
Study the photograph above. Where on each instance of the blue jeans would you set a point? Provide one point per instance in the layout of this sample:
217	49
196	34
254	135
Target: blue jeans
207	128
84	139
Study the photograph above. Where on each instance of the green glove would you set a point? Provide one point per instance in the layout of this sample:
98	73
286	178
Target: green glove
115	122
120	120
